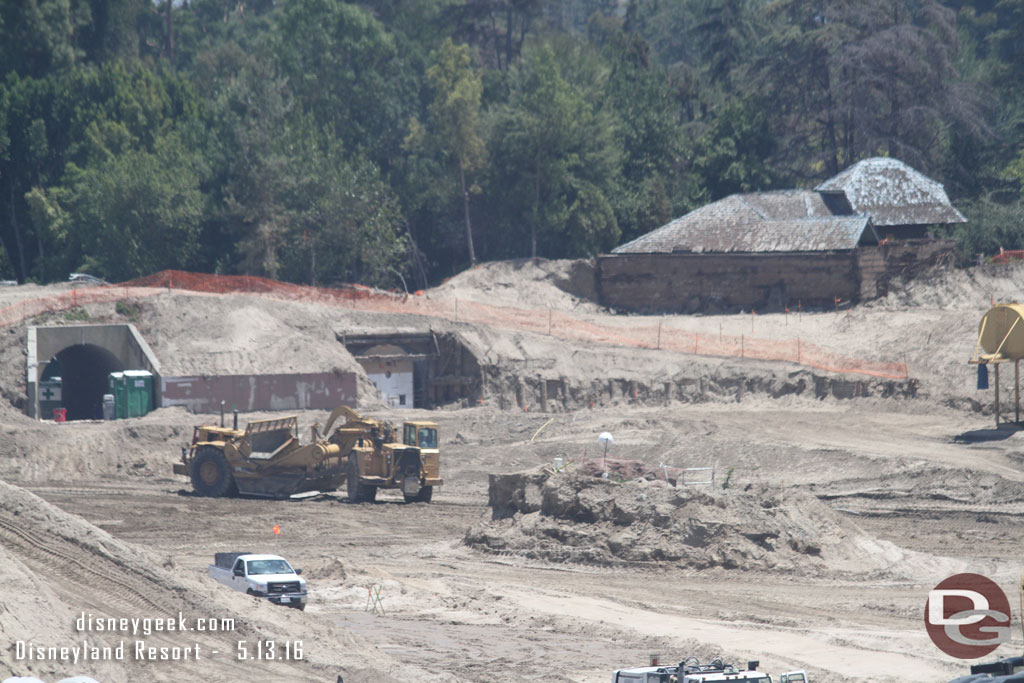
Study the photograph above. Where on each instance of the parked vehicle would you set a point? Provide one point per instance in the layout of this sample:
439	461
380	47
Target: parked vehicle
1008	670
263	576
690	670
267	459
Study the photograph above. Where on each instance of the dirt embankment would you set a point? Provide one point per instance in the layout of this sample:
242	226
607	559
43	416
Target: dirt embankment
56	567
634	517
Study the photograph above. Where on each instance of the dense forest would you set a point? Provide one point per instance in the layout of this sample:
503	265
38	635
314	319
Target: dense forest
396	142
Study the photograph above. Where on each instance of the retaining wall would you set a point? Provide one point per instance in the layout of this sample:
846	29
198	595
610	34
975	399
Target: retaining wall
296	391
710	283
688	283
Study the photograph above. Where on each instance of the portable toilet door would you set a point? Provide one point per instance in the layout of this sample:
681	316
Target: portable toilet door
138	392
115	385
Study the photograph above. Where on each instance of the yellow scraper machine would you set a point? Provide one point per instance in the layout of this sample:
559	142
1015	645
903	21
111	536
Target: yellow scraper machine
267	459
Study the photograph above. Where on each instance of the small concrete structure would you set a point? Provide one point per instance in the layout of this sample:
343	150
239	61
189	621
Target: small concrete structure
390	369
86	355
429	368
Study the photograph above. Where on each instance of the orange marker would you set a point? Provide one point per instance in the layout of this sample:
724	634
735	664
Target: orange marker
276	530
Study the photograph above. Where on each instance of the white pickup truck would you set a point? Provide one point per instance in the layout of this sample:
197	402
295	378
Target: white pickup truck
265	576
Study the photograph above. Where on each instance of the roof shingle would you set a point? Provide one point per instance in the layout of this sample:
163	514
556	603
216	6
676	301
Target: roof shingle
787	220
893	193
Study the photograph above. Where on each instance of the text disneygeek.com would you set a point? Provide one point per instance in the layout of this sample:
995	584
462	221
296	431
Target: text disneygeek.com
109	628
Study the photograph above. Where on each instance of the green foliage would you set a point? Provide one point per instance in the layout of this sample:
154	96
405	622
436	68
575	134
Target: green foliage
848	80
331	140
732	155
128	309
344	223
452	135
135	213
76	315
991	226
561	158
345	67
37	36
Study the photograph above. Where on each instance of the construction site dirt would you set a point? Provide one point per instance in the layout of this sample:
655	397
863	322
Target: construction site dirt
831	515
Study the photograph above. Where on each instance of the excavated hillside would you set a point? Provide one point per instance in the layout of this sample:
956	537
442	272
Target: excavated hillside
62	568
848	494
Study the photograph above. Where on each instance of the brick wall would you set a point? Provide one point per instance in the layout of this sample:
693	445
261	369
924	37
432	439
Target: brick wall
709	283
689	283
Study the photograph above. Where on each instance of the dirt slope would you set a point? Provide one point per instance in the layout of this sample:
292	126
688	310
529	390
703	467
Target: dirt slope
61	567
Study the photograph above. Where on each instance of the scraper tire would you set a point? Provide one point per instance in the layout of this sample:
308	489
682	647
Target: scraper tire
211	474
357	493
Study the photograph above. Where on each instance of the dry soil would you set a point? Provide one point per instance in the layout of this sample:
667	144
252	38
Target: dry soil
829	520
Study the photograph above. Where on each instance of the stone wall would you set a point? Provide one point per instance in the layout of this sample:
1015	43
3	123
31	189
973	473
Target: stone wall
711	283
690	283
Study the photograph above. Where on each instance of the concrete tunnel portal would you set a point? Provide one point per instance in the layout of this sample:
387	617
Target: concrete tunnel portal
83	356
83	369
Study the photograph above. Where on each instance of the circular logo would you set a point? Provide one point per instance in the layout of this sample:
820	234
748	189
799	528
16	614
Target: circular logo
967	616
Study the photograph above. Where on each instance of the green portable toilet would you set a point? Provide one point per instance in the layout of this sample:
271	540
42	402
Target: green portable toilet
138	390
115	386
49	397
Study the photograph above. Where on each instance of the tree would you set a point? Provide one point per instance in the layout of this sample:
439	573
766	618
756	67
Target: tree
257	133
557	156
84	115
454	121
731	156
345	222
853	79
498	27
343	65
134	214
641	98
38	36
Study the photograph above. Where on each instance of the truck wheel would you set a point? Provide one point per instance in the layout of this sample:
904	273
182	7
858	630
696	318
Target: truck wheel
424	496
211	474
357	493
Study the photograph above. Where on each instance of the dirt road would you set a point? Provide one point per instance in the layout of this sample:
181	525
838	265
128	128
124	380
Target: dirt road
899	476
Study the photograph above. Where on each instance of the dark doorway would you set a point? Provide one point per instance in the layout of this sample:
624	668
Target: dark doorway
84	369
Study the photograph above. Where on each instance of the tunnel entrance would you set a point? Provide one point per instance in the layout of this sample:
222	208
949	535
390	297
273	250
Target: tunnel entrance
82	356
421	370
83	368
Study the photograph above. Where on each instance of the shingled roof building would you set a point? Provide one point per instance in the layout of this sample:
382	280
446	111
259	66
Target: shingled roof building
766	250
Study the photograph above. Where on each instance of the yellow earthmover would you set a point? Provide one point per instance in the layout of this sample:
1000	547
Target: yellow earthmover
266	458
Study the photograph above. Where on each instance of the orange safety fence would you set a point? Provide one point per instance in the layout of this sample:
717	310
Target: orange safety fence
633	332
1008	255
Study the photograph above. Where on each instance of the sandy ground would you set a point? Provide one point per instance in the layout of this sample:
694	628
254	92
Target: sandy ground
92	520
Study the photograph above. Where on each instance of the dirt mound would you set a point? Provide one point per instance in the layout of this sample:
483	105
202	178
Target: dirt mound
530	283
578	517
955	288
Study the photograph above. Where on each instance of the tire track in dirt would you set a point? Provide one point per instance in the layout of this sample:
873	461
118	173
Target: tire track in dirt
37	552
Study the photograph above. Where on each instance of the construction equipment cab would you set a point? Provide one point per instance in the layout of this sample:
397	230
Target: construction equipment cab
377	459
692	671
423	435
